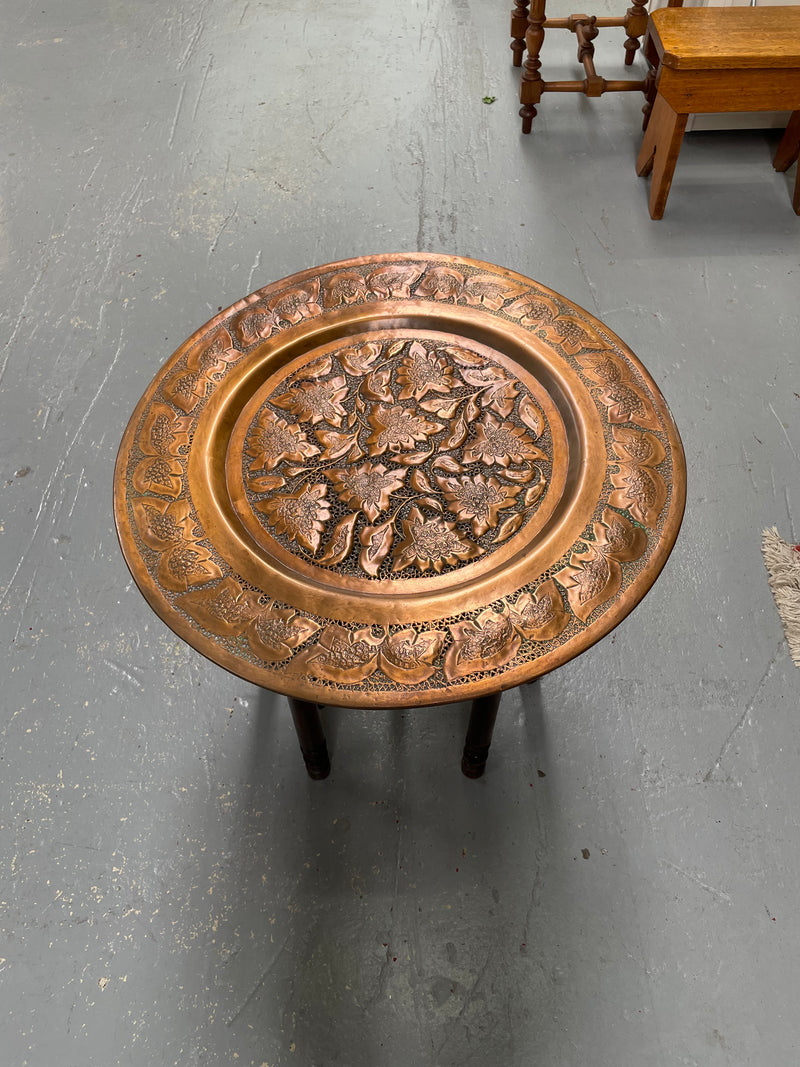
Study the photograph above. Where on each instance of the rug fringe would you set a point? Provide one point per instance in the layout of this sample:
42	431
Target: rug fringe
783	565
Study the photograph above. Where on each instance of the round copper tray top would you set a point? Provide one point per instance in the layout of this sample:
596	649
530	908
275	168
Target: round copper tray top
399	480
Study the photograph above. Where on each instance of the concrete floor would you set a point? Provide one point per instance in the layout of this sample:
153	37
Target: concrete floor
621	888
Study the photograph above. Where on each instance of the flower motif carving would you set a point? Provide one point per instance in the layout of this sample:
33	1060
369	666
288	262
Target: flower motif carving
300	515
368	487
639	487
272	632
167	529
431	542
163	438
396	428
484	643
478	499
274	440
539	312
594	576
622	395
422	371
502	443
206	363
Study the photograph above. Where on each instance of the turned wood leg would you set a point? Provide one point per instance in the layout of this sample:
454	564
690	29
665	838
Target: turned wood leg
530	89
659	153
311	738
635	26
519	26
788	151
479	735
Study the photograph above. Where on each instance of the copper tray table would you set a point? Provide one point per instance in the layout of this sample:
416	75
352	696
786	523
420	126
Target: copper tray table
398	481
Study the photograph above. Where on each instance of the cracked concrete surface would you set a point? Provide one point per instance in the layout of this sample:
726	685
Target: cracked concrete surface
621	887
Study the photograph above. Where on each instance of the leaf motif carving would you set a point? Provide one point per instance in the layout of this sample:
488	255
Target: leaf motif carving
376	386
508	528
458	434
411	459
266	483
540	617
341	655
524	474
377	542
340	543
336	444
480	644
318	369
447	463
590	580
488	290
472	411
275	632
437	405
419	482
464	358
431	502
441	283
535	492
408	657
358	361
393	280
532	415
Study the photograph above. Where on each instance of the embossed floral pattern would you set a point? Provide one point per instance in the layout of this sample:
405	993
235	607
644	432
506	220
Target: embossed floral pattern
500	442
421	372
163	437
395	428
294	305
341	655
272	632
206	363
300	515
484	643
594	575
167	528
478	499
371	401
431	543
274	440
409	657
315	401
540	616
368	487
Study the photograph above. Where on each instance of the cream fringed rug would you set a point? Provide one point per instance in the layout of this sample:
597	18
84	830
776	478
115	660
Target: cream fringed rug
783	564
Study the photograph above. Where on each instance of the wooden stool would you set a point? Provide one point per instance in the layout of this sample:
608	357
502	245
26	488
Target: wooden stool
716	60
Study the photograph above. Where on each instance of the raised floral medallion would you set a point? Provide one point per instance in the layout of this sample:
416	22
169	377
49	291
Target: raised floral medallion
397	481
396	458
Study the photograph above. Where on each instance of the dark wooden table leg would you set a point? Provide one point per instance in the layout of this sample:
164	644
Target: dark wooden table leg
479	735
312	739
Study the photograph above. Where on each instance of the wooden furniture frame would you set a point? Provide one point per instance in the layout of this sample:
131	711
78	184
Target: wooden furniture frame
528	24
718	60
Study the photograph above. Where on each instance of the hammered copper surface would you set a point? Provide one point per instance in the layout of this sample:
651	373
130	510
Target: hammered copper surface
398	480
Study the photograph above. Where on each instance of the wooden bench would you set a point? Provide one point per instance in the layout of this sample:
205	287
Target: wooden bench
716	60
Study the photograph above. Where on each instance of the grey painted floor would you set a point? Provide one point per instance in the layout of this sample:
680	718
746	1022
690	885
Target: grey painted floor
173	888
